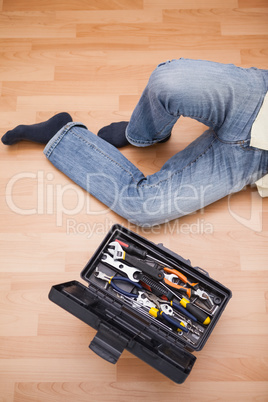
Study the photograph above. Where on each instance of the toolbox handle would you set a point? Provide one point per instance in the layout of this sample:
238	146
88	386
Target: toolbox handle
108	343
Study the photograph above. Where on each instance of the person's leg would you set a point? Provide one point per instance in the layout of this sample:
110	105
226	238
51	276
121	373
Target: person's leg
40	132
222	96
213	166
202	173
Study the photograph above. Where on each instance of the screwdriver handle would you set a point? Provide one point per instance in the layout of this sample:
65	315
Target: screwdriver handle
183	310
158	314
179	325
199	314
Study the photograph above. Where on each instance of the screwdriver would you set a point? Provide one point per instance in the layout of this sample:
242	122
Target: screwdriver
200	315
158	314
131	249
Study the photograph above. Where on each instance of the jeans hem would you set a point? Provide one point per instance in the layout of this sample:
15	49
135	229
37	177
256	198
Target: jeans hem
140	143
55	140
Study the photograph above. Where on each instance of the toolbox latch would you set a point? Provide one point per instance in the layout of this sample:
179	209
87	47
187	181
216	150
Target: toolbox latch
108	343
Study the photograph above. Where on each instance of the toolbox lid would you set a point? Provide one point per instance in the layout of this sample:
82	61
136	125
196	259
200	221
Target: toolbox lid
118	328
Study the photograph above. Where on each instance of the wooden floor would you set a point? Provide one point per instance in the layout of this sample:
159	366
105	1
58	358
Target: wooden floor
92	59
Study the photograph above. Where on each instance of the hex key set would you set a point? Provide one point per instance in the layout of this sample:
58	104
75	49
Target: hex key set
147	299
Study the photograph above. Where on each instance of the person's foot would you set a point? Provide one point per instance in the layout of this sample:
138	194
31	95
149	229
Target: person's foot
165	139
40	132
115	134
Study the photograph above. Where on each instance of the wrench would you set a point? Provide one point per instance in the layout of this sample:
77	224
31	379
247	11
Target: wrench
131	272
143	300
116	250
155	271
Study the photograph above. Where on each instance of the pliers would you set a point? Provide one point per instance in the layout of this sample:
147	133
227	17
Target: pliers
111	279
191	290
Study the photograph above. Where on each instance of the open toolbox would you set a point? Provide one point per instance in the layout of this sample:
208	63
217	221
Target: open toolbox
146	299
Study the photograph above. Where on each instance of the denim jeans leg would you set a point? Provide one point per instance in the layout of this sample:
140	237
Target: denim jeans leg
202	173
218	163
224	97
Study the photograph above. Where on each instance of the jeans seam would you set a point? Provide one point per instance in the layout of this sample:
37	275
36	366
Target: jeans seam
103	154
249	148
238	142
181	170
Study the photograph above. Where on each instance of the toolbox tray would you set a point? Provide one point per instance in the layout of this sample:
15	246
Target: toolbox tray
119	326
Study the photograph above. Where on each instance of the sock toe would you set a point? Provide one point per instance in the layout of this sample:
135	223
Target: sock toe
5	140
63	118
11	137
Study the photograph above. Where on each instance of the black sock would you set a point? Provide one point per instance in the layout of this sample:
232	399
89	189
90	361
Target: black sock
115	134
165	139
41	132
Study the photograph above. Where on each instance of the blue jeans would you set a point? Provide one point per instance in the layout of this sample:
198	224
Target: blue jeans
225	98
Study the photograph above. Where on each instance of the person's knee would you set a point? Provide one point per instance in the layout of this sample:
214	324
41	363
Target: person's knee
166	86
161	82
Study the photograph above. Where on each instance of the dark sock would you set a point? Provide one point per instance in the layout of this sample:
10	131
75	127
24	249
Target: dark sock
165	139
41	132
115	134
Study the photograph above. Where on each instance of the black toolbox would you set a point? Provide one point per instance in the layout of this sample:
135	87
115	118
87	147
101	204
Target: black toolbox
161	308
